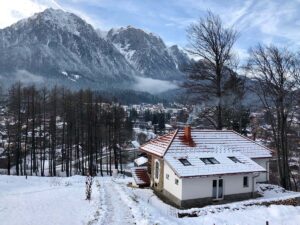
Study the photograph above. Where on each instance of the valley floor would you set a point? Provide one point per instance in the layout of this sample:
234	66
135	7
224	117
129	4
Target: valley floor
61	201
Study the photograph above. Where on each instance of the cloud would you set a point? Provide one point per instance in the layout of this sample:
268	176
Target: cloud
268	21
26	77
13	11
153	86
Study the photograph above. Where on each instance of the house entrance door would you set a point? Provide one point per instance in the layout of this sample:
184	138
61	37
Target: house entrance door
217	189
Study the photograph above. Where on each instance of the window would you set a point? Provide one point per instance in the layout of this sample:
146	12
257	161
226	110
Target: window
176	181
167	176
246	182
185	162
234	159
209	160
156	169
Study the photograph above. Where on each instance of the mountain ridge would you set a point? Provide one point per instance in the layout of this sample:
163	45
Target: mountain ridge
146	52
60	47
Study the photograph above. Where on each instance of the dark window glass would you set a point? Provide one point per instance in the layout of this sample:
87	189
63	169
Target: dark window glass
209	160
214	183
220	194
214	161
246	182
185	162
214	190
234	159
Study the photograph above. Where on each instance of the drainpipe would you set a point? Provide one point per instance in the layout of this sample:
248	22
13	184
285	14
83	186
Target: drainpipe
253	179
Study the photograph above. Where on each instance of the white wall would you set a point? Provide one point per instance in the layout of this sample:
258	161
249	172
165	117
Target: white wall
201	187
169	184
264	176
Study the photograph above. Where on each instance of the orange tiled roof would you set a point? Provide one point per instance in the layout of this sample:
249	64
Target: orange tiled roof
159	145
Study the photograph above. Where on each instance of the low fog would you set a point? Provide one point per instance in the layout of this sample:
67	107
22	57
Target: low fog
153	86
26	77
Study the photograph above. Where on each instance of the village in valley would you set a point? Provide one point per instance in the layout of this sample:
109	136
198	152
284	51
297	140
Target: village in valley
172	172
112	126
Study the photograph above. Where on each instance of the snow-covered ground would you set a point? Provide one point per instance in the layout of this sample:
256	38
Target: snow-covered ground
43	201
61	201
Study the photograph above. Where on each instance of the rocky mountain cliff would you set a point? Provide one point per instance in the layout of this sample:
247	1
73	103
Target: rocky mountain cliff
148	54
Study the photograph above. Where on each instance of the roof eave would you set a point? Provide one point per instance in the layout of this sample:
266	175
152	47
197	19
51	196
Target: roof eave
150	153
175	133
222	174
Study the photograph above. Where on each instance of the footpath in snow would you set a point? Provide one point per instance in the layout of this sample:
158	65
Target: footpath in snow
121	206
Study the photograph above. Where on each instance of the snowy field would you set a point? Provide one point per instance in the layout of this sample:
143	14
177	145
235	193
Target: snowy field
61	201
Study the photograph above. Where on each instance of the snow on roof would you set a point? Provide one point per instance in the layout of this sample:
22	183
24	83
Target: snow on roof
206	141
168	126
224	164
159	145
211	140
141	160
135	144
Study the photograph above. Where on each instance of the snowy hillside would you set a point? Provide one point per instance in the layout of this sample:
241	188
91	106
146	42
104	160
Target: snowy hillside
61	201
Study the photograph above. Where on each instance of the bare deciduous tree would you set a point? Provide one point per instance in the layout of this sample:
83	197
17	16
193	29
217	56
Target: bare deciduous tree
277	73
212	42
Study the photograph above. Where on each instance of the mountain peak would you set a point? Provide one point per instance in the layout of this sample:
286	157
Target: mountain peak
55	18
56	15
132	29
62	19
53	11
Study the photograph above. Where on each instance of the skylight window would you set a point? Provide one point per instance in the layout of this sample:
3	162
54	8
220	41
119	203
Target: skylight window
185	162
234	159
208	161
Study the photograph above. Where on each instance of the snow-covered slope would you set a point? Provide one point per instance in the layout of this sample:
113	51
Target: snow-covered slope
61	201
46	201
147	53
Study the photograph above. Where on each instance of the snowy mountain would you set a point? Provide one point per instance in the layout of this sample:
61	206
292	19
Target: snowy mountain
60	46
148	54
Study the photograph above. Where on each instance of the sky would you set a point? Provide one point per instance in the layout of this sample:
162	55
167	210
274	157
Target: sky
257	21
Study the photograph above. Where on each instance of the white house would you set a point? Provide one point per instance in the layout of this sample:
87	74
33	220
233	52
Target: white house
193	167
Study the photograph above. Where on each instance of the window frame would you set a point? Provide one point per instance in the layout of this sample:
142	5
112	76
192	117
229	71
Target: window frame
157	168
210	161
234	159
176	181
185	162
167	176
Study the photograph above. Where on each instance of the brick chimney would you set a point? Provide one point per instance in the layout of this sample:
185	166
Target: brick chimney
187	132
